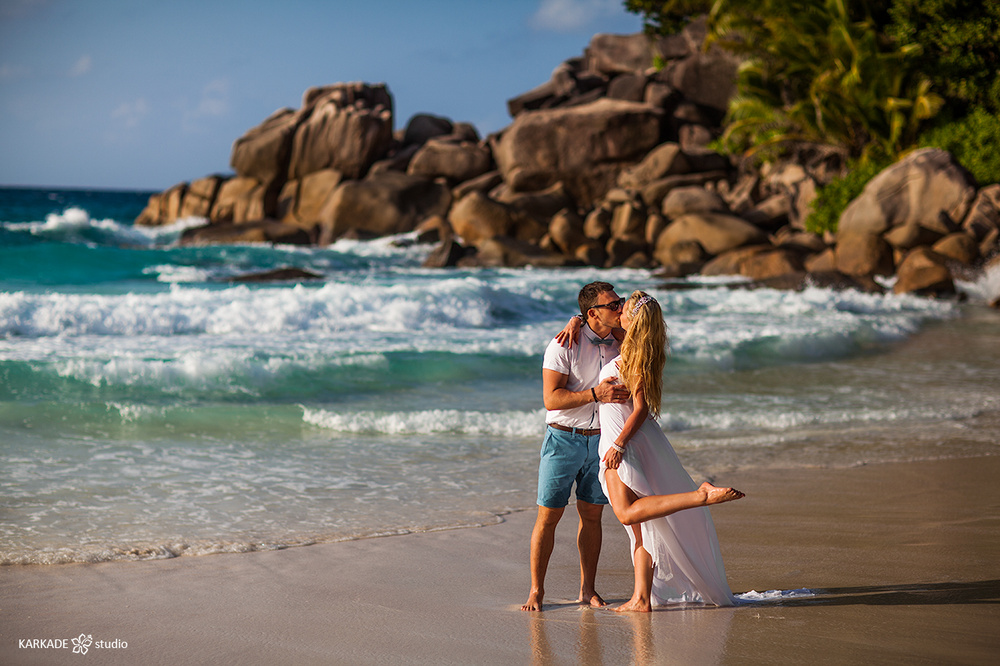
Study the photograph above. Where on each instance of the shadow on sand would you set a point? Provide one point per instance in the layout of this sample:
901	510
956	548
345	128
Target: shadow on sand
916	594
667	636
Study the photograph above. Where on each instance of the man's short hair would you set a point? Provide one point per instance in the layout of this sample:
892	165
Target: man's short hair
589	293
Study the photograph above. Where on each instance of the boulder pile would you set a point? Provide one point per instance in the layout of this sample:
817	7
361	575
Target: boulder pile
605	164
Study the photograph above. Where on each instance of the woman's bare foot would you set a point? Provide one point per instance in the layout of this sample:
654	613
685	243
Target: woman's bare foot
592	599
635	605
716	495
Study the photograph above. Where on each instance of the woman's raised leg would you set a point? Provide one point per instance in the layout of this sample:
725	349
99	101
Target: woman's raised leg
632	510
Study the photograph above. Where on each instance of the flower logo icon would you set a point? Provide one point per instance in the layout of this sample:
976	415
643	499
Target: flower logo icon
82	643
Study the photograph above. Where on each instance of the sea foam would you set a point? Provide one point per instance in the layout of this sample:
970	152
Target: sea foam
75	224
509	424
985	288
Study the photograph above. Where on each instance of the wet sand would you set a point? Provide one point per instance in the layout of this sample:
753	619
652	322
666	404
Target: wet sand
904	558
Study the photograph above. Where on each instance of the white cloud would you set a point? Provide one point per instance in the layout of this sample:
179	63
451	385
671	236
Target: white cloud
213	103
130	113
214	99
569	15
81	66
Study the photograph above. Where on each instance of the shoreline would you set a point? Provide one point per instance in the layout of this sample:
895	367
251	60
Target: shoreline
904	557
144	553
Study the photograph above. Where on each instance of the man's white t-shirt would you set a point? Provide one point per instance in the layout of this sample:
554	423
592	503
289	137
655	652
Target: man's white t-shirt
582	362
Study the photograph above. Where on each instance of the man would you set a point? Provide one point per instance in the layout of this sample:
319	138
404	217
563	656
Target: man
571	393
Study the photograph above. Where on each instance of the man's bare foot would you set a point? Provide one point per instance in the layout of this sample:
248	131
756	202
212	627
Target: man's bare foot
634	605
592	599
716	495
534	602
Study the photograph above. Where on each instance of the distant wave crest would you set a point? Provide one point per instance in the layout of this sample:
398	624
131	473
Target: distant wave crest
76	225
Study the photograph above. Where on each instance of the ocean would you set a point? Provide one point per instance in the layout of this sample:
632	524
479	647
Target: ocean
153	406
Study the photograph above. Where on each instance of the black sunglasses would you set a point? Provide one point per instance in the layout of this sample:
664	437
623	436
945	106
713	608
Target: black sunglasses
613	305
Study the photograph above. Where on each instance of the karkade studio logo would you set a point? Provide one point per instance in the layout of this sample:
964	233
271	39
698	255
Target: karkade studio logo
82	643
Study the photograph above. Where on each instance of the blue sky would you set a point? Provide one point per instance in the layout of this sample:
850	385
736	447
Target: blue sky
140	94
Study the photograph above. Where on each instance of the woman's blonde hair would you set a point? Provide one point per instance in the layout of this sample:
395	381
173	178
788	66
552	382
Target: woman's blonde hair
644	349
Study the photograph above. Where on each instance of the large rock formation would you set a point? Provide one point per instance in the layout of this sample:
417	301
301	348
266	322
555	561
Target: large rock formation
604	164
346	127
382	204
928	188
911	205
264	152
584	147
453	159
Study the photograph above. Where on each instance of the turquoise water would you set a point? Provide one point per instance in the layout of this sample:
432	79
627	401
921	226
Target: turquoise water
150	406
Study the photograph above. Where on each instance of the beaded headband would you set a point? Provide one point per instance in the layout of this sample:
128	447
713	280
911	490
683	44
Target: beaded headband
642	301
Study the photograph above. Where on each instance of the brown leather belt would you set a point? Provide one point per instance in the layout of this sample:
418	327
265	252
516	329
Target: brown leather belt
576	431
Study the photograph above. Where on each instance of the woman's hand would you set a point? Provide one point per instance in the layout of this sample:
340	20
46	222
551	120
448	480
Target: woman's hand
613	458
570	332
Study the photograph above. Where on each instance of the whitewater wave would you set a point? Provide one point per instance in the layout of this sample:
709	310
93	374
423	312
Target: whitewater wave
435	421
706	418
744	417
331	309
76	225
985	288
470	312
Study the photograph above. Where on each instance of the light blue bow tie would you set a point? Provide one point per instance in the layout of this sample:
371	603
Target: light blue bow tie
602	341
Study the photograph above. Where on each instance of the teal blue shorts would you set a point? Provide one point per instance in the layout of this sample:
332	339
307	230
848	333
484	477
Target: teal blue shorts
569	458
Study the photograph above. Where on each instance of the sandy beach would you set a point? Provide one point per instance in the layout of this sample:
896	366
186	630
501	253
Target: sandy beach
904	559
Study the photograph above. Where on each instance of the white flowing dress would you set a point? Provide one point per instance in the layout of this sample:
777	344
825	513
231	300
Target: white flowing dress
687	563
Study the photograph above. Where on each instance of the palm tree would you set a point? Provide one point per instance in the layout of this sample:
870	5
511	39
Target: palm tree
819	72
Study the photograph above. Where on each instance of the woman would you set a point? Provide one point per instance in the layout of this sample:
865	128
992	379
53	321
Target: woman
675	551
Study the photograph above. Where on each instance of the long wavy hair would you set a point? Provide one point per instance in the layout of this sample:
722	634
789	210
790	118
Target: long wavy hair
644	349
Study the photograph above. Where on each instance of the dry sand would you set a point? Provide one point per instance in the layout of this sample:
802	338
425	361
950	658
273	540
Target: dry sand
905	559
